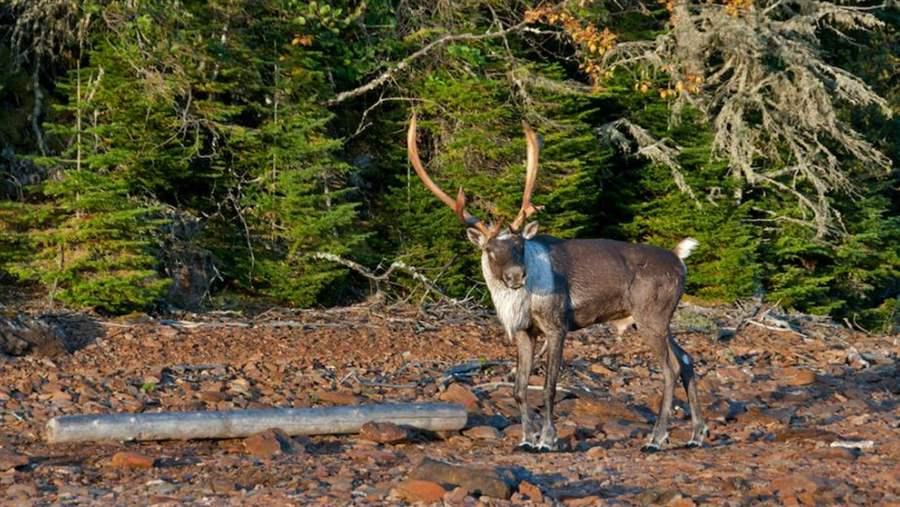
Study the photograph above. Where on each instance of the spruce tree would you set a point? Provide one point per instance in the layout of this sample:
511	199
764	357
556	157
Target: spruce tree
300	202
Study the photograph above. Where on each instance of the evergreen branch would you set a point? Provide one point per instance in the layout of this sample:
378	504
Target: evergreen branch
404	63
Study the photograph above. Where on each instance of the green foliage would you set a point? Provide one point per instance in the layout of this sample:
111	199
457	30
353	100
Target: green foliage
300	206
219	110
856	277
92	247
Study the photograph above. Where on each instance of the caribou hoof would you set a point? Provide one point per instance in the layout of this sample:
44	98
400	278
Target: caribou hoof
697	438
651	448
544	448
527	447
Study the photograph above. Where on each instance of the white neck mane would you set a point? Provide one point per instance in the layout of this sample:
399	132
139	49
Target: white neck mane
514	306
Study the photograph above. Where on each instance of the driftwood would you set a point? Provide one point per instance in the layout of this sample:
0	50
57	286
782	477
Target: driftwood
243	423
490	386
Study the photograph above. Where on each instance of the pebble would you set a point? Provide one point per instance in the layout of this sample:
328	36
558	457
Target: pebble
383	432
457	393
531	491
338	397
459	497
128	459
480	480
11	459
606	409
268	444
415	490
483	433
796	377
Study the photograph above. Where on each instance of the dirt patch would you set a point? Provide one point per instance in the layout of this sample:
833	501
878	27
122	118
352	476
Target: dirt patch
775	400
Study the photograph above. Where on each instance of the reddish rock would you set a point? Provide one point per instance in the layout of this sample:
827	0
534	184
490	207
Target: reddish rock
459	497
681	501
460	442
834	453
606	409
382	432
61	397
585	501
566	431
268	444
796	487
563	407
891	475
658	496
22	492
457	393
476	479
531	491
796	377
798	434
587	420
483	433
599	369
620	430
222	486
596	452
338	397
371	454
732	374
414	490
513	432
757	416
212	396
128	459
806	498
10	459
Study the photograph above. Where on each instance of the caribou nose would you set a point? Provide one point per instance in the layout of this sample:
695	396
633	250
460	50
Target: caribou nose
514	278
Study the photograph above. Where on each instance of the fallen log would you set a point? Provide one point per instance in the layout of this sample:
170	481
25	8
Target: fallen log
243	423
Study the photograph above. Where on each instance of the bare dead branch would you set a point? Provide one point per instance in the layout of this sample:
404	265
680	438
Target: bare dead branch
404	63
659	151
386	274
777	124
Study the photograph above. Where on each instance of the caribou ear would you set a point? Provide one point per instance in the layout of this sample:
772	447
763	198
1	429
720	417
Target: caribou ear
476	237
530	230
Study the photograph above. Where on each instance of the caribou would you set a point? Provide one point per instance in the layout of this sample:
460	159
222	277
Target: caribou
542	286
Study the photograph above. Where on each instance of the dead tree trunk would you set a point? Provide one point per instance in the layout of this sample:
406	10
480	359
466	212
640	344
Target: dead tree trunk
243	423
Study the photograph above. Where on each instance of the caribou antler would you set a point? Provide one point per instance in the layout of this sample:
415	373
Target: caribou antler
459	205
531	169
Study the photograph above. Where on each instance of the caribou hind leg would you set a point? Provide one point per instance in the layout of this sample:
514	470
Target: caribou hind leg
685	367
675	363
660	434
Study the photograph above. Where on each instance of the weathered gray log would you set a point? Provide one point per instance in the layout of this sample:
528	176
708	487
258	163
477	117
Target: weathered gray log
242	423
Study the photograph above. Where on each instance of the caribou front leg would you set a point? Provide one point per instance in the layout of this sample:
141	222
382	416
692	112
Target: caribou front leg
554	361
525	345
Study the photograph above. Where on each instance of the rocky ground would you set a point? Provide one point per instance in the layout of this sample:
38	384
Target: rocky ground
800	412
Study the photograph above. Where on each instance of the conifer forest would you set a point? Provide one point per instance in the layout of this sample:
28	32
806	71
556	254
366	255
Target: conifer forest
161	154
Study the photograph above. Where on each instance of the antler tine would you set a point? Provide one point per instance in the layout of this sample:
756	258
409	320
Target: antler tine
458	205
531	170
496	226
